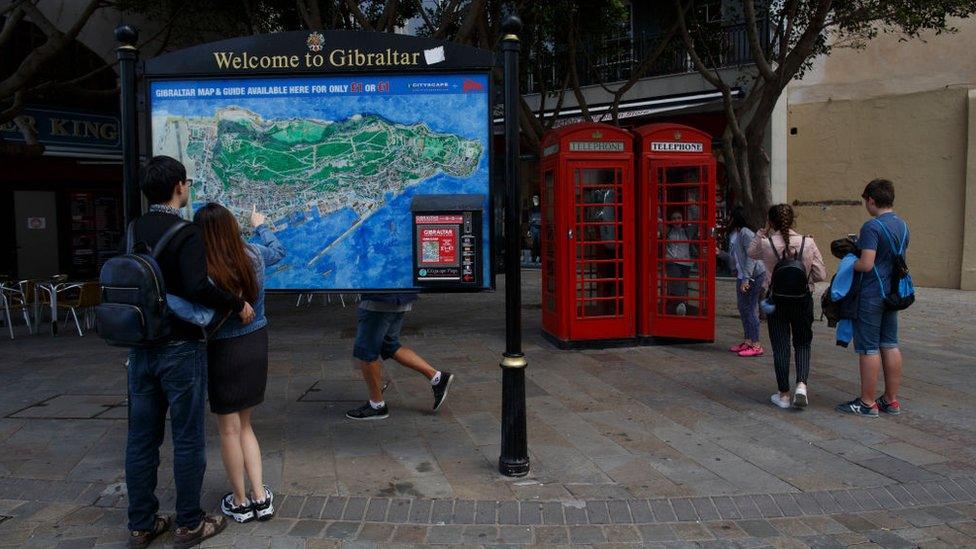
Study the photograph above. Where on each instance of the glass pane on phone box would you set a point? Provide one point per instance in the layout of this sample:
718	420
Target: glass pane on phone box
588	289
683	174
598	176
598	213
601	195
597	233
600	308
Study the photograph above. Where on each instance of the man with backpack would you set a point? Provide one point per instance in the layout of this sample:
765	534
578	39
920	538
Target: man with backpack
885	288
168	374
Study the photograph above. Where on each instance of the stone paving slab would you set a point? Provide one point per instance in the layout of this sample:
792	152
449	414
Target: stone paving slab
651	445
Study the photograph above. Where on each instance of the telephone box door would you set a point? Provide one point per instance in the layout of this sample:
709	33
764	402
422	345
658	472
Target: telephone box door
682	256
599	279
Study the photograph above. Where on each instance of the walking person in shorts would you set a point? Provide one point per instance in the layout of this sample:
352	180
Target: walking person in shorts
379	320
875	328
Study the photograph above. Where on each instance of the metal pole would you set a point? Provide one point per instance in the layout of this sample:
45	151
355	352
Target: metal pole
128	55
514	458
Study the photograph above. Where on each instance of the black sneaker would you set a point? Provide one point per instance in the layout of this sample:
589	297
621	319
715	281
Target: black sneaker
440	390
240	513
264	510
893	407
858	407
366	411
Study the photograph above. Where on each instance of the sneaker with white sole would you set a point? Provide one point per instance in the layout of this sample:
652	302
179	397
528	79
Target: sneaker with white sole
264	510
800	397
778	401
239	513
367	412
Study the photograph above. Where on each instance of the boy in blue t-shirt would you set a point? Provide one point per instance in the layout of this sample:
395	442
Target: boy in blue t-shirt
875	328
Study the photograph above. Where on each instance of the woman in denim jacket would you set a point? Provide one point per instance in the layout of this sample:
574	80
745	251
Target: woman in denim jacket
237	355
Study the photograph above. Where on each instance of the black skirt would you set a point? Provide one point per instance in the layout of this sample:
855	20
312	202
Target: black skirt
237	371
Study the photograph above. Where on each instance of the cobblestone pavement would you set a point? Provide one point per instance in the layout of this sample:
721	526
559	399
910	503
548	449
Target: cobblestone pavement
653	446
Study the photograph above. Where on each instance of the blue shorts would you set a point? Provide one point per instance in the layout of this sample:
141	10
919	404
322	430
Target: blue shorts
875	328
377	335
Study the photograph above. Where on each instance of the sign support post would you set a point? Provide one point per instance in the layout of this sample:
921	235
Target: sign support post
514	459
128	56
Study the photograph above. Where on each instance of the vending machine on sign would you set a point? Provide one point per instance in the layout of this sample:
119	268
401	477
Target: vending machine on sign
675	233
447	243
587	203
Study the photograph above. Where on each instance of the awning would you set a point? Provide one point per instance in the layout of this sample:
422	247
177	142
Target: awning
635	107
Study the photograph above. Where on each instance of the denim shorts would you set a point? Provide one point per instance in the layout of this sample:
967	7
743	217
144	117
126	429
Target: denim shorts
875	328
377	334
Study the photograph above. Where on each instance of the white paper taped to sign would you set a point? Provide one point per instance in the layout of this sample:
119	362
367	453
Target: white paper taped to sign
434	56
674	146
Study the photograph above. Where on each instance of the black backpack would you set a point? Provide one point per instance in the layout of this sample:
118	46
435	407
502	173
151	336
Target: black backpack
133	312
789	278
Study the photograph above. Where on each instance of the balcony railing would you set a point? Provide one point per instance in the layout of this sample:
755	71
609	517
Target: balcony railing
615	58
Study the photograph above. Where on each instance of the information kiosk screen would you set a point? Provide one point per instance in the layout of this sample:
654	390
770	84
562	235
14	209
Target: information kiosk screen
334	161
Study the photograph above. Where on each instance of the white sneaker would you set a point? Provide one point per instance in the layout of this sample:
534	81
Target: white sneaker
800	397
782	403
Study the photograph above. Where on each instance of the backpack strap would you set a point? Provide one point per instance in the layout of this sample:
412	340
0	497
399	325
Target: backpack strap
773	246
130	236
900	248
167	236
803	243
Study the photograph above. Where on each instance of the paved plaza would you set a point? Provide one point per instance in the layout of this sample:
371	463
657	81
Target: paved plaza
653	446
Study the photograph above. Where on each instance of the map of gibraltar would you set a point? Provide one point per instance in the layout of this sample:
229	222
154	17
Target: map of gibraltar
336	188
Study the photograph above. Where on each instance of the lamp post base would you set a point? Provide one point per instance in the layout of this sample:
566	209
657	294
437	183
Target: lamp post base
513	467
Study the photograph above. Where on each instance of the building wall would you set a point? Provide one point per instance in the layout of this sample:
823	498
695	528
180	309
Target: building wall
896	109
918	140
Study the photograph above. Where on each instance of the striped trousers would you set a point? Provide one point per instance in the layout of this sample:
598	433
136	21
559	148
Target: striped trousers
791	321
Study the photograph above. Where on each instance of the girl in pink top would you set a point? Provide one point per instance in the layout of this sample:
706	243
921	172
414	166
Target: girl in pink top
793	319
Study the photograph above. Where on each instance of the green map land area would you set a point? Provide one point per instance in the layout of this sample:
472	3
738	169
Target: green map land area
241	160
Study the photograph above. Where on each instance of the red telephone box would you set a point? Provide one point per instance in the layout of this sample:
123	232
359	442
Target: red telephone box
675	240
587	202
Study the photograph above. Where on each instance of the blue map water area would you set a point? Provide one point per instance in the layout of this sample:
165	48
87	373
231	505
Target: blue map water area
376	254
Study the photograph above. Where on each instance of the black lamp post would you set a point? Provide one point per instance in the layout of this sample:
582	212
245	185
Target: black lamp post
514	459
128	56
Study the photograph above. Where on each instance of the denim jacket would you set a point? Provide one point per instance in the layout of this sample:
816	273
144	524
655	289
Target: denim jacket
264	253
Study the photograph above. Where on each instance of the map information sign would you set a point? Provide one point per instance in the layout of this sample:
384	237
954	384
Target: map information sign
333	161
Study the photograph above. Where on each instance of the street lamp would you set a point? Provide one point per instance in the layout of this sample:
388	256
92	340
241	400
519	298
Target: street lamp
514	458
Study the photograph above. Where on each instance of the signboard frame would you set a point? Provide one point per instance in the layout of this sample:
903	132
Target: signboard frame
192	64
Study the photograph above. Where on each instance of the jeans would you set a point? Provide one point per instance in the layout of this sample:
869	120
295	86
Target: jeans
749	306
171	377
377	334
875	328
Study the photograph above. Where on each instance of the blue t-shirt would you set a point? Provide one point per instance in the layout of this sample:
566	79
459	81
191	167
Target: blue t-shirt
872	237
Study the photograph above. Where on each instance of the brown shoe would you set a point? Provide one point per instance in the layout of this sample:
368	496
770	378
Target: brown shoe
142	538
209	527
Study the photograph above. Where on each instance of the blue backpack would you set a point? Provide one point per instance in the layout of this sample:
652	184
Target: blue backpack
901	291
134	311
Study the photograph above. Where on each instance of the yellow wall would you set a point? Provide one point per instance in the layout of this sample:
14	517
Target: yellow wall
918	140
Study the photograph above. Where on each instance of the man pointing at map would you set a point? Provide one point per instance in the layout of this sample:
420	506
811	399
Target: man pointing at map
380	317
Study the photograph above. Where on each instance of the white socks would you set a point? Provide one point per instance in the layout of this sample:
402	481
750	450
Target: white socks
377	405
436	379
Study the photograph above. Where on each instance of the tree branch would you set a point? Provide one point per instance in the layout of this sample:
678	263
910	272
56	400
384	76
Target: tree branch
10	23
758	55
358	15
474	10
52	46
